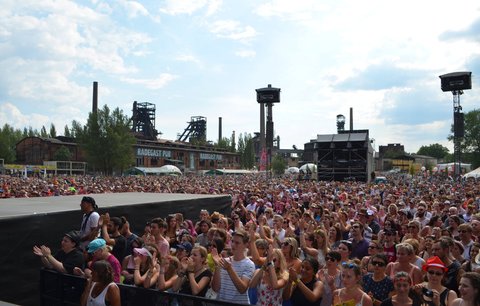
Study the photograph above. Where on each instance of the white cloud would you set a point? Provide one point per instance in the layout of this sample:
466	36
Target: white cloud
188	58
175	7
134	8
213	7
291	10
156	83
245	53
11	115
232	29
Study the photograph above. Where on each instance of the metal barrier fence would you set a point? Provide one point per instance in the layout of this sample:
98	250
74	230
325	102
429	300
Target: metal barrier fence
57	289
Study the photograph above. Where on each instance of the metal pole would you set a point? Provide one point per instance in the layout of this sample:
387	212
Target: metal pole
456	138
269	139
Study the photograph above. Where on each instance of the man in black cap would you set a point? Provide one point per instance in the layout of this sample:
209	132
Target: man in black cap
89	227
67	258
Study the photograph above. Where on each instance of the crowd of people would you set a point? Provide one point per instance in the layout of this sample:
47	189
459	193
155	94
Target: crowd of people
412	241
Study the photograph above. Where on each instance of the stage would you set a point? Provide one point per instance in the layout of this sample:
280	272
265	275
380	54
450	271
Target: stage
25	222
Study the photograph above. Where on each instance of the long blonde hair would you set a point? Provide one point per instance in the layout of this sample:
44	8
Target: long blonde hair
324	245
281	270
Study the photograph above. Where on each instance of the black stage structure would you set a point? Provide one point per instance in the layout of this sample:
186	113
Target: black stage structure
36	221
347	155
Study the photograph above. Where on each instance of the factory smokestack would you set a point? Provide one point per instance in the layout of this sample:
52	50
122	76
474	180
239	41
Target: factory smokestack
351	118
95	98
219	129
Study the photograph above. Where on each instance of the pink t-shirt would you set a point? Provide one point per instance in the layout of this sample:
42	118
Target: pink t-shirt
163	247
116	267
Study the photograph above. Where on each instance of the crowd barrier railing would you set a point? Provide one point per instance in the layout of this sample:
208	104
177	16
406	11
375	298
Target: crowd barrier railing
58	289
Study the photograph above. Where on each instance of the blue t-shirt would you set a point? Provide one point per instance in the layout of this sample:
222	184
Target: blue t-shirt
379	289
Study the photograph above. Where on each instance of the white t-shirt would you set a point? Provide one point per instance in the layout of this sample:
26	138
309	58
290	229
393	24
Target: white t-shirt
89	221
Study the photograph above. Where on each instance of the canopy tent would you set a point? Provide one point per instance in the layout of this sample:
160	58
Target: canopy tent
229	172
473	174
451	166
163	170
292	170
309	167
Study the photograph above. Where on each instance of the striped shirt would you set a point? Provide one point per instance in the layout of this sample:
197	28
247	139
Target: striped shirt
244	269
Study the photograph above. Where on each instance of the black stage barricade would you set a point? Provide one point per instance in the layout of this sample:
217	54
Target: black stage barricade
43	221
57	289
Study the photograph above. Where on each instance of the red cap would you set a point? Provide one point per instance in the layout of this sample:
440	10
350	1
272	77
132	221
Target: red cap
436	262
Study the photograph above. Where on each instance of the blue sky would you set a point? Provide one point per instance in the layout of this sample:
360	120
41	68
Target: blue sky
207	57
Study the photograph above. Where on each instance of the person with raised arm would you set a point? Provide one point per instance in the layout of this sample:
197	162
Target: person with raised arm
233	274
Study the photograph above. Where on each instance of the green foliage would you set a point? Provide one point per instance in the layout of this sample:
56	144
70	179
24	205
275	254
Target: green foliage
107	140
278	165
43	132
225	143
470	143
246	151
32	132
8	140
434	150
62	154
53	131
66	131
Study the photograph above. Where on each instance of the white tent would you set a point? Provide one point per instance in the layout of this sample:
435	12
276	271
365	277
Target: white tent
163	170
474	173
309	167
170	169
292	170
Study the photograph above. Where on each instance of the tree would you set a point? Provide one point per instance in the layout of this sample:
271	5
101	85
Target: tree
43	132
8	140
246	151
278	165
107	140
226	144
434	150
62	154
66	131
32	132
53	131
470	143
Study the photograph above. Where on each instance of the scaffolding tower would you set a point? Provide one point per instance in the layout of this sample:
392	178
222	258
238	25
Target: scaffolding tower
196	130
143	120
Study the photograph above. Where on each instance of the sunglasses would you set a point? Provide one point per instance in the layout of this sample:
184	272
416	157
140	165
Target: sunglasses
349	265
328	258
285	244
435	273
378	263
373	247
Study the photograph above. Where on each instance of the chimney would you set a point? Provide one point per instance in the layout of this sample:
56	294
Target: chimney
95	98
219	129
351	118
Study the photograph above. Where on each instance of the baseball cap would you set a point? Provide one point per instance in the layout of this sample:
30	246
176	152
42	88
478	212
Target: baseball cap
142	251
95	245
74	236
187	246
